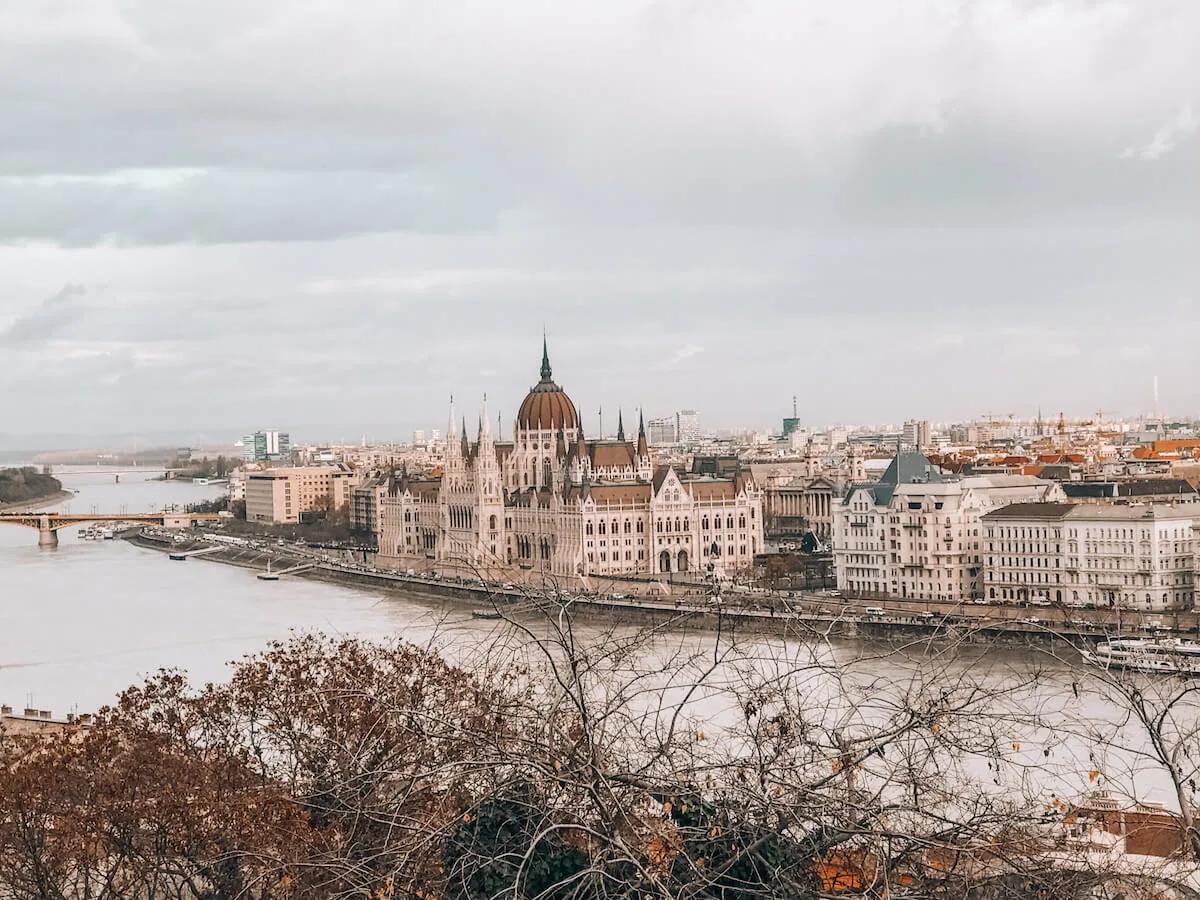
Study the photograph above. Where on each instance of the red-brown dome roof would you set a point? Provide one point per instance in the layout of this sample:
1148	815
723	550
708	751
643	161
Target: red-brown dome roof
547	407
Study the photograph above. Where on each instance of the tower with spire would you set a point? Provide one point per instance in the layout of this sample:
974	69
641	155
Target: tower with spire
645	465
551	502
489	493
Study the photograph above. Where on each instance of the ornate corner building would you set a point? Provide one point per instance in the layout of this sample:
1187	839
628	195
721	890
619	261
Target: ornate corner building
554	502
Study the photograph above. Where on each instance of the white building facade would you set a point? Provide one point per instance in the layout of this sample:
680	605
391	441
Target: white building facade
917	532
1135	556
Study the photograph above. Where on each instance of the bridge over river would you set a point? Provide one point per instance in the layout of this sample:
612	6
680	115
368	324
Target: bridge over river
47	524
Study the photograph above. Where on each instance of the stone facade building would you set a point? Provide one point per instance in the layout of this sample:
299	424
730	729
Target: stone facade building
552	502
916	533
1139	557
282	495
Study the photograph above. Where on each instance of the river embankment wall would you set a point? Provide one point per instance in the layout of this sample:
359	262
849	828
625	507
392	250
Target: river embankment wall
680	616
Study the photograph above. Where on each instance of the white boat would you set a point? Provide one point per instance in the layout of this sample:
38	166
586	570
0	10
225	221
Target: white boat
1166	656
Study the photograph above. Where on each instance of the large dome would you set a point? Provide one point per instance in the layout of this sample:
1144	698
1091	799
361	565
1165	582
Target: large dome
547	407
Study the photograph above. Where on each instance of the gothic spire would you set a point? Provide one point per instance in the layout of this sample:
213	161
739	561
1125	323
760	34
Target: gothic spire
620	427
545	359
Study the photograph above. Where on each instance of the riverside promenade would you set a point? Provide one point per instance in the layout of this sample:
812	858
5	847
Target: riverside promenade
786	613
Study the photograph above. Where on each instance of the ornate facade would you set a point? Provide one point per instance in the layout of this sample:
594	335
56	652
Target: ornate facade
553	502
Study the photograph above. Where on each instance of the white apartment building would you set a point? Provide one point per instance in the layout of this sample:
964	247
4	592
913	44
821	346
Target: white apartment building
916	533
1135	556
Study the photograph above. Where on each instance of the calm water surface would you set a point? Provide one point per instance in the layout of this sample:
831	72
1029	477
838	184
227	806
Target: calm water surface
80	623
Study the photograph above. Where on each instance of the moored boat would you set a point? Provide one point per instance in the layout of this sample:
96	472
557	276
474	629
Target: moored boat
1166	656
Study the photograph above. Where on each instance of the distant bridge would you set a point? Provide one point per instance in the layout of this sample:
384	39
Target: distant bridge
48	523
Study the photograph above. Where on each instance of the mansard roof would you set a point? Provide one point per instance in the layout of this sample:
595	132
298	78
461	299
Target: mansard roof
910	467
605	494
612	454
424	488
717	489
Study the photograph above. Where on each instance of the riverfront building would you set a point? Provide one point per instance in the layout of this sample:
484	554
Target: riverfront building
284	495
916	533
1135	556
553	502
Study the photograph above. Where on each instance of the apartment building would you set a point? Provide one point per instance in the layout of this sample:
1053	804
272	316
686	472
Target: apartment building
916	533
1135	556
282	496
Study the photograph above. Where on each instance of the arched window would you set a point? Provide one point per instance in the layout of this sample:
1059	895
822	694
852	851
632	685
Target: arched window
492	523
545	548
741	521
686	525
639	526
588	528
717	522
704	523
603	527
628	526
729	521
668	526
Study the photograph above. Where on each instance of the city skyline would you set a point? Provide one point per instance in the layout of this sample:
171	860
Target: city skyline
983	206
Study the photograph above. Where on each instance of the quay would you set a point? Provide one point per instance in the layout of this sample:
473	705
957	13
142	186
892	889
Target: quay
795	614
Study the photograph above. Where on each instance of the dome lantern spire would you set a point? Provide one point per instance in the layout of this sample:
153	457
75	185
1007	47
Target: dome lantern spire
546	373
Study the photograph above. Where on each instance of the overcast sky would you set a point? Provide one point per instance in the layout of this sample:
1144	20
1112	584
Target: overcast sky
216	214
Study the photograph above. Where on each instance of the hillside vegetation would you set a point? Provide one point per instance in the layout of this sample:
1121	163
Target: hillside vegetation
19	485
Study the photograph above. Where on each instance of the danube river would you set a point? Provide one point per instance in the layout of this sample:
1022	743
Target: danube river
80	623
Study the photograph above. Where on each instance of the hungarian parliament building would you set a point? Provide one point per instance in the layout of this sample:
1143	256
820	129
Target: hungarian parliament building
554	503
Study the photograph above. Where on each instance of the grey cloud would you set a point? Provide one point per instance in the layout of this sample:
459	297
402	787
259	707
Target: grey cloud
309	123
48	318
301	208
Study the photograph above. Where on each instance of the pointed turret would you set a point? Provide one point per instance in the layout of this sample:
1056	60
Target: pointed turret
453	448
546	373
560	448
620	427
643	446
466	445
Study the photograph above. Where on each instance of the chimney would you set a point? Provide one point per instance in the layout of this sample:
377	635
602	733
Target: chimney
44	714
5	710
30	713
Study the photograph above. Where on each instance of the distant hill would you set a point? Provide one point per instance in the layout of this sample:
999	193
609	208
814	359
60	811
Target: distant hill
20	485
